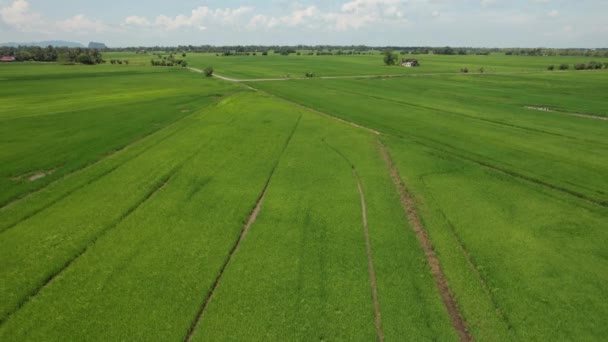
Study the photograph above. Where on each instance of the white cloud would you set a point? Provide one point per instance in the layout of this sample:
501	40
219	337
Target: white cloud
81	24
198	18
354	14
553	13
137	21
19	16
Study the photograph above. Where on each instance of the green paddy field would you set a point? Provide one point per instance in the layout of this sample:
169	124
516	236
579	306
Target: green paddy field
154	204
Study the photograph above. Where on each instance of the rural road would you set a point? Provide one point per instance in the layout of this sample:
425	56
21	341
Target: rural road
237	80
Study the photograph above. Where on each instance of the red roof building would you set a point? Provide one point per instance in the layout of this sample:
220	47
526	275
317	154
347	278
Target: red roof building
7	59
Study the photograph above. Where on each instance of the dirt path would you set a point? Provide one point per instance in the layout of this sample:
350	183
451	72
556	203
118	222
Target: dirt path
250	221
245	80
370	261
409	206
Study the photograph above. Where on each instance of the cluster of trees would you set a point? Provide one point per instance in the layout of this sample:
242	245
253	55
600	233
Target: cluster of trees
62	55
118	61
310	74
169	61
581	66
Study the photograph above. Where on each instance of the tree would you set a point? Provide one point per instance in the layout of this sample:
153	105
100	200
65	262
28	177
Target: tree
208	71
85	58
564	67
551	67
390	58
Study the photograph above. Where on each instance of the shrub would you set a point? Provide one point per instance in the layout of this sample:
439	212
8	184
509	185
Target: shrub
208	71
580	66
564	67
464	70
551	67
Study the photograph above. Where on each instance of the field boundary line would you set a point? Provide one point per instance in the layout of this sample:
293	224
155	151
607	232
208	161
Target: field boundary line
155	189
368	245
103	157
250	221
409	205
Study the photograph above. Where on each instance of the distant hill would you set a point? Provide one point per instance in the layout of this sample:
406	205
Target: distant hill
94	45
55	43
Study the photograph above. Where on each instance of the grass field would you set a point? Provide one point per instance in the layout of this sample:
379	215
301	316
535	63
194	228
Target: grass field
293	66
143	203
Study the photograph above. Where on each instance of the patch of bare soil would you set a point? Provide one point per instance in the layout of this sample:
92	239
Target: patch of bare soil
32	177
581	115
409	205
370	262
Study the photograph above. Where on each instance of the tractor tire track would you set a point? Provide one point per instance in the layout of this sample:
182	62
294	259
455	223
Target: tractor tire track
250	221
51	278
368	245
408	203
504	171
469	259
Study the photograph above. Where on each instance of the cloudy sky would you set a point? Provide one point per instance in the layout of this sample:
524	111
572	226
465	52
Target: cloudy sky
490	23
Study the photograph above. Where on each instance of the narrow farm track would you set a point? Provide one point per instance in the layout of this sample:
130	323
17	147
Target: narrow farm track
469	259
370	261
101	159
440	280
368	245
250	221
153	191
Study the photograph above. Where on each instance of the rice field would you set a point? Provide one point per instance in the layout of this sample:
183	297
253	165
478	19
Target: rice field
146	203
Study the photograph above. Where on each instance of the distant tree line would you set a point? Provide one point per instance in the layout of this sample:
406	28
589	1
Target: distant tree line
240	50
581	66
53	54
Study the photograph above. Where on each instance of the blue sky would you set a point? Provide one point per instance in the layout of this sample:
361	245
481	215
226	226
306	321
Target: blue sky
490	23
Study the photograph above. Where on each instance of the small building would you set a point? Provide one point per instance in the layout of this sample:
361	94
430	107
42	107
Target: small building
7	59
409	63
